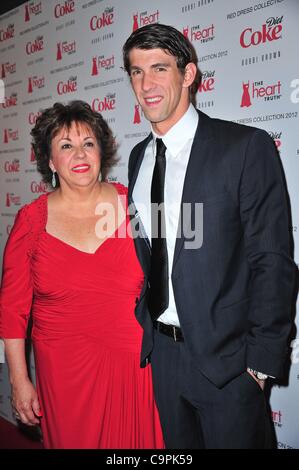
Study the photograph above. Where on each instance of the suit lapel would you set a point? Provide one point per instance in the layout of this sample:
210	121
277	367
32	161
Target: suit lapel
194	173
191	188
136	166
142	244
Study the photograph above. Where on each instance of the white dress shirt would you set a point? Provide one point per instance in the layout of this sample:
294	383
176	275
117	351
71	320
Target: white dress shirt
178	141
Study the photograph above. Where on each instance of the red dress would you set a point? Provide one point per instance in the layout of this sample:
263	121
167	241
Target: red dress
92	391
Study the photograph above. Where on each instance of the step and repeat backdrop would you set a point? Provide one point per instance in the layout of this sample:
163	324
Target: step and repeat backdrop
60	50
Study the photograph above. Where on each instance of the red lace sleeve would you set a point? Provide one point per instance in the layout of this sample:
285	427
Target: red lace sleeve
16	289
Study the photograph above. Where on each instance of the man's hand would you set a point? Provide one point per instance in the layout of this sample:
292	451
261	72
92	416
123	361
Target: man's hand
260	382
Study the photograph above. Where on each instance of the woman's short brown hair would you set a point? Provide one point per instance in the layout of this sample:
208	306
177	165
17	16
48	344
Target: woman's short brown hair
60	116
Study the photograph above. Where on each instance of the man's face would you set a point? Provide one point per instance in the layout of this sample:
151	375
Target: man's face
160	87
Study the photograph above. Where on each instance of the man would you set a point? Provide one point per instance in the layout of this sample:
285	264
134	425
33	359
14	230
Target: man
215	313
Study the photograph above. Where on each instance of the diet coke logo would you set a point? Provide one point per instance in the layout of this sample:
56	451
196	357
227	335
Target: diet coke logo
32	8
65	47
259	90
67	87
7	68
107	104
197	33
35	83
62	9
12	167
32	117
38	188
207	82
10	101
270	31
101	62
9	134
103	20
276	136
144	18
35	46
8	33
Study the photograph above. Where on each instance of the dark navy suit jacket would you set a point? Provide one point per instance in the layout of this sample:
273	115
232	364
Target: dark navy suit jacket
233	294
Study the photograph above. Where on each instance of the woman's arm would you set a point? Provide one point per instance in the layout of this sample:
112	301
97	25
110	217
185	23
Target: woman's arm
15	304
24	397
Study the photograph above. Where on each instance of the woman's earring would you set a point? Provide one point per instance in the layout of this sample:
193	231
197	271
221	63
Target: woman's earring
54	179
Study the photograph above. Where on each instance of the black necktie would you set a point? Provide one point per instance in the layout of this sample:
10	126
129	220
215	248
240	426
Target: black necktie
158	292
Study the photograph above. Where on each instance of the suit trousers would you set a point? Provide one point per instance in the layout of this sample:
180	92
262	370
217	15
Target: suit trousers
195	414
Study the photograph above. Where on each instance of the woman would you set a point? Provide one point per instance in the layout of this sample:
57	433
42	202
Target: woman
71	262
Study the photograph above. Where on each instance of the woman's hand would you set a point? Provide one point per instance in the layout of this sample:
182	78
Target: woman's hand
24	399
25	402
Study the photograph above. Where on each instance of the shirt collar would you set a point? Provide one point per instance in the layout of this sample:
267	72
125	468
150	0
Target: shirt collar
179	134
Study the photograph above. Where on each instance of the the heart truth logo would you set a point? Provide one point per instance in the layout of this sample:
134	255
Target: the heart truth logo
9	134
65	47
101	62
32	8
259	90
12	199
35	82
7	68
144	18
197	33
277	418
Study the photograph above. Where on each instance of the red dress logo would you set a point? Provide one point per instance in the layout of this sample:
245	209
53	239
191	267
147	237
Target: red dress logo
94	66
27	16
58	55
246	101
137	119
186	32
32	155
30	88
135	22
